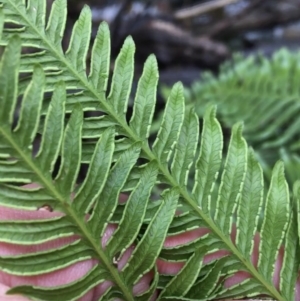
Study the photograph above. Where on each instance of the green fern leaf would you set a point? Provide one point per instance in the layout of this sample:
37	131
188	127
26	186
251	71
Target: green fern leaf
209	161
205	287
37	231
113	147
247	288
289	272
18	197
134	212
264	93
232	179
275	222
189	273
147	250
185	148
56	23
97	174
249	206
100	58
144	102
37	12
45	262
150	292
53	130
71	153
121	85
79	42
57	196
8	84
183	252
110	194
30	109
67	292
171	124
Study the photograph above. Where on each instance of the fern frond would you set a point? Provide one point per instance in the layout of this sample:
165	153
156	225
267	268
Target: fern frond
112	147
264	94
101	190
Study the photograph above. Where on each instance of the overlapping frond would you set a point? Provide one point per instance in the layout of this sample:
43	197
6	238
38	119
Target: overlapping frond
262	92
112	147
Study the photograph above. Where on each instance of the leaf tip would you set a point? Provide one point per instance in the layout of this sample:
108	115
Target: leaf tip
86	10
177	90
103	28
211	112
152	61
129	42
238	128
38	71
296	189
278	170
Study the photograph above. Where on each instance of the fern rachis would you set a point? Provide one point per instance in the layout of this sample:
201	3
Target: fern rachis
239	167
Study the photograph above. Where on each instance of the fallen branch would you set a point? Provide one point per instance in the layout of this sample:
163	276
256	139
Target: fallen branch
201	9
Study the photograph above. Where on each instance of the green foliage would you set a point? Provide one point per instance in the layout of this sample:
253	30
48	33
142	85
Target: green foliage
113	148
264	94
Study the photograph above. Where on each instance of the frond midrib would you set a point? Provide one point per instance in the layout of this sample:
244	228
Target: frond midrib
47	184
151	156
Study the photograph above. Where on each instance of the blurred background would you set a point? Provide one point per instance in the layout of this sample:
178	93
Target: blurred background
190	36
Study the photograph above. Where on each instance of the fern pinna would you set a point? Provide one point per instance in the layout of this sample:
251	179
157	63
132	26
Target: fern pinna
112	147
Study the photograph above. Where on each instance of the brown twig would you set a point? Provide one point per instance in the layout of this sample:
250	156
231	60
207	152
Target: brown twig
201	9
